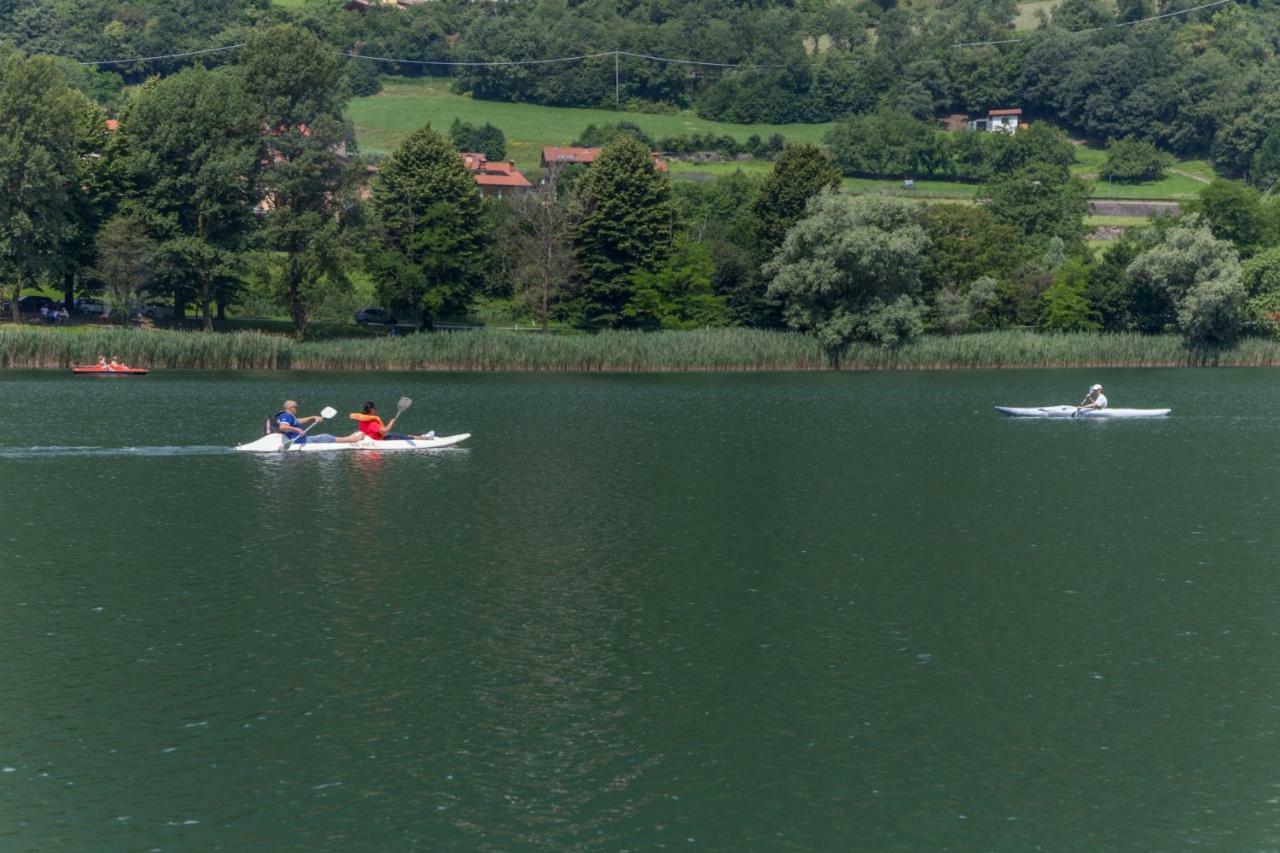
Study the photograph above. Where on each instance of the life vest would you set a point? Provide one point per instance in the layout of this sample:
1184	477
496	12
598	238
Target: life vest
370	425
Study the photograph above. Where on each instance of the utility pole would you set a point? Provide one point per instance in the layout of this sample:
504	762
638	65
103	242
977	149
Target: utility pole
617	101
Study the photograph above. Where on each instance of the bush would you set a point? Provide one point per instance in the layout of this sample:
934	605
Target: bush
1130	160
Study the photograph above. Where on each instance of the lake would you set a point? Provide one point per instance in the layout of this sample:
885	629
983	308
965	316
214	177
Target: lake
722	612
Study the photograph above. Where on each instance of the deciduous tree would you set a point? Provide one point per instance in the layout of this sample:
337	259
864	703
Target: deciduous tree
850	270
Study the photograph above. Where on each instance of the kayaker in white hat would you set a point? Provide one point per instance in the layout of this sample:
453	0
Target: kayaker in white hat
1095	399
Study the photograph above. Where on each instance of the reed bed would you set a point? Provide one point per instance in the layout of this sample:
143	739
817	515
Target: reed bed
705	350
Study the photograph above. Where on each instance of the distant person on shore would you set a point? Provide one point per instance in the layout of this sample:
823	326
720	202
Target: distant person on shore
288	424
1095	399
370	423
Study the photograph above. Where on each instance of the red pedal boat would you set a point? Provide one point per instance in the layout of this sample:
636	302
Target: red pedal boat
98	370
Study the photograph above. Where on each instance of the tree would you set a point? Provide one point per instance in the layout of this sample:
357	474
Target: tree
38	147
966	245
800	173
433	228
1233	212
1261	277
308	185
1065	306
625	224
974	308
851	270
191	148
1130	160
127	260
677	295
545	262
1200	278
488	140
1042	201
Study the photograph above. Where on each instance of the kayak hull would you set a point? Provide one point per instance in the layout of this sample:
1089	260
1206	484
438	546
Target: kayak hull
103	371
271	444
1073	412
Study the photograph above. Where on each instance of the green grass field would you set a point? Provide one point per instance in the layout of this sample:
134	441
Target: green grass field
403	106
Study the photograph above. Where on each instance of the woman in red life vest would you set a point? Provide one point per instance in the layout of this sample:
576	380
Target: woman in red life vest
371	425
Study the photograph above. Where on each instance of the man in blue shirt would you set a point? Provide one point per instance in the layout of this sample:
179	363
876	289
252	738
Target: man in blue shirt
290	426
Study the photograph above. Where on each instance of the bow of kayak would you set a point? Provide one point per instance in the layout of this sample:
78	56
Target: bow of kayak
271	444
1073	412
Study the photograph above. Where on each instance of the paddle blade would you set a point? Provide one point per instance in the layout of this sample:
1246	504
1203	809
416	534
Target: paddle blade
404	403
328	412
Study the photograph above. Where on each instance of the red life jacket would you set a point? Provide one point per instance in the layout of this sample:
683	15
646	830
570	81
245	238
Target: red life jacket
370	425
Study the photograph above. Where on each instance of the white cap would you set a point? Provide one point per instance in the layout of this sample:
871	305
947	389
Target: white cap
1095	387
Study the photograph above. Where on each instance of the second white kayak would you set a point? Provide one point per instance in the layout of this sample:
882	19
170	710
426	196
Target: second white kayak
1073	412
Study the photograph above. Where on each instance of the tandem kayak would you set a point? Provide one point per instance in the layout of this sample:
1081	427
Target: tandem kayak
1073	412
95	370
271	444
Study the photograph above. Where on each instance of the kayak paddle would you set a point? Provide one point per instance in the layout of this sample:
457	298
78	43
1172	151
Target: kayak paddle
403	404
325	413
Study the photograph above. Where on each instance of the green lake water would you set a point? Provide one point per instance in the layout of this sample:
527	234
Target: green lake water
854	611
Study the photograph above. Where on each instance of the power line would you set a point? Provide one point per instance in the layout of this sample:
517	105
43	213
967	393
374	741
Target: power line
1107	27
580	57
165	56
444	63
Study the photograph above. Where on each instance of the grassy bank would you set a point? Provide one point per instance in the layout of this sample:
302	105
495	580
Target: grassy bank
709	350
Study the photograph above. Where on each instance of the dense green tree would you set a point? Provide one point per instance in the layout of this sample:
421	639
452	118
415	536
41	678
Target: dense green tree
39	144
1065	304
800	173
433	229
487	139
851	270
1261	277
625	224
1042	201
1200	278
679	294
1131	160
191	148
308	184
1233	212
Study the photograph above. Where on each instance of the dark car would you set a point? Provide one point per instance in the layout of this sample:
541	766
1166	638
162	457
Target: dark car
33	304
377	316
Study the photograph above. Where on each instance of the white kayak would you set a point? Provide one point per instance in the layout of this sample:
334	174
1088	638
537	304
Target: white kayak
1074	412
271	444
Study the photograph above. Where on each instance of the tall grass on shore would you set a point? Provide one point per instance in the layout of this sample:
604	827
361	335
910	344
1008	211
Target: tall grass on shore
705	350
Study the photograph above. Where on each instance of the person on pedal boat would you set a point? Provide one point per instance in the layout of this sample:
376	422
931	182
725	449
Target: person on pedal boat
1095	399
371	425
288	424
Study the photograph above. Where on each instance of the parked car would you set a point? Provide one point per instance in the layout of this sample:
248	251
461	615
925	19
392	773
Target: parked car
33	304
91	306
158	312
374	316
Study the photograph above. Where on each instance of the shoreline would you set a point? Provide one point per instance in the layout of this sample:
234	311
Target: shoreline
733	350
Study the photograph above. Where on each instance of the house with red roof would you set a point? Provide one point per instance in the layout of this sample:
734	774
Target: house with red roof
557	156
495	178
998	121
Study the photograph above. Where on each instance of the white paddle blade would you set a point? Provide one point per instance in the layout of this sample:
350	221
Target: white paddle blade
404	403
328	412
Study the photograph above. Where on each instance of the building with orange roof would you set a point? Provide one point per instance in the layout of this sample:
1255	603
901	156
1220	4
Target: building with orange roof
495	178
558	156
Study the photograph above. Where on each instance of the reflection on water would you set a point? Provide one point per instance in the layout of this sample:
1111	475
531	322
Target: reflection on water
738	612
